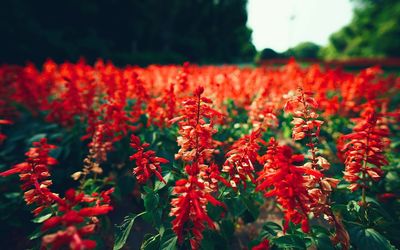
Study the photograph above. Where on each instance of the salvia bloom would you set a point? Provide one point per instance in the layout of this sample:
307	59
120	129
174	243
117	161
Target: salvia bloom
34	175
305	121
262	111
287	182
162	109
240	159
196	128
147	163
76	220
197	147
364	149
189	208
99	147
307	126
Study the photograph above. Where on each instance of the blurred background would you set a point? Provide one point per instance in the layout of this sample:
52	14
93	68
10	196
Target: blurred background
200	31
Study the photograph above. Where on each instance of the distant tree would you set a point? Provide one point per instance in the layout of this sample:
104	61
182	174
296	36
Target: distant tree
303	50
268	53
373	32
126	31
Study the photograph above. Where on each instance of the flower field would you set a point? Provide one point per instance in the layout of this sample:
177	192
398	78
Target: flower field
198	157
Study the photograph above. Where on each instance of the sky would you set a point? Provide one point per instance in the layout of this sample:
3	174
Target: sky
282	24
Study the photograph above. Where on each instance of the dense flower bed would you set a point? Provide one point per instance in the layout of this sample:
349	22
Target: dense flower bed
198	153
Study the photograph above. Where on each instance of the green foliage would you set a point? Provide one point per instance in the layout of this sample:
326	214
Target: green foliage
124	230
290	242
373	32
368	238
268	53
304	50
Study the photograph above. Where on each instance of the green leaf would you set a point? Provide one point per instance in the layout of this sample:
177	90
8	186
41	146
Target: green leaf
227	228
353	206
151	243
151	200
251	207
235	206
42	218
290	241
271	228
322	241
159	184
368	238
36	234
13	195
168	240
123	231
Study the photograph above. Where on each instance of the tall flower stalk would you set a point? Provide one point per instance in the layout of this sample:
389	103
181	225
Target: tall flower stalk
364	150
307	126
196	150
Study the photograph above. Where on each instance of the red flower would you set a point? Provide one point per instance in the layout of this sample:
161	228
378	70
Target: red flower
385	197
161	110
305	121
282	179
196	128
189	210
147	163
363	149
264	245
75	221
34	175
197	147
307	126
240	159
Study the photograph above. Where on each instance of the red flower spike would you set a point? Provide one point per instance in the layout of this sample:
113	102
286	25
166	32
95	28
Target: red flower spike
147	163
240	159
190	206
76	220
196	147
287	182
34	175
364	149
195	133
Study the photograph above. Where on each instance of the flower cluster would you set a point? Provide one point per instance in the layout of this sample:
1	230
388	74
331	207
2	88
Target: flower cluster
262	111
240	159
74	215
189	208
34	175
147	163
70	92
76	219
305	118
161	110
287	182
99	146
196	147
364	149
195	132
307	126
